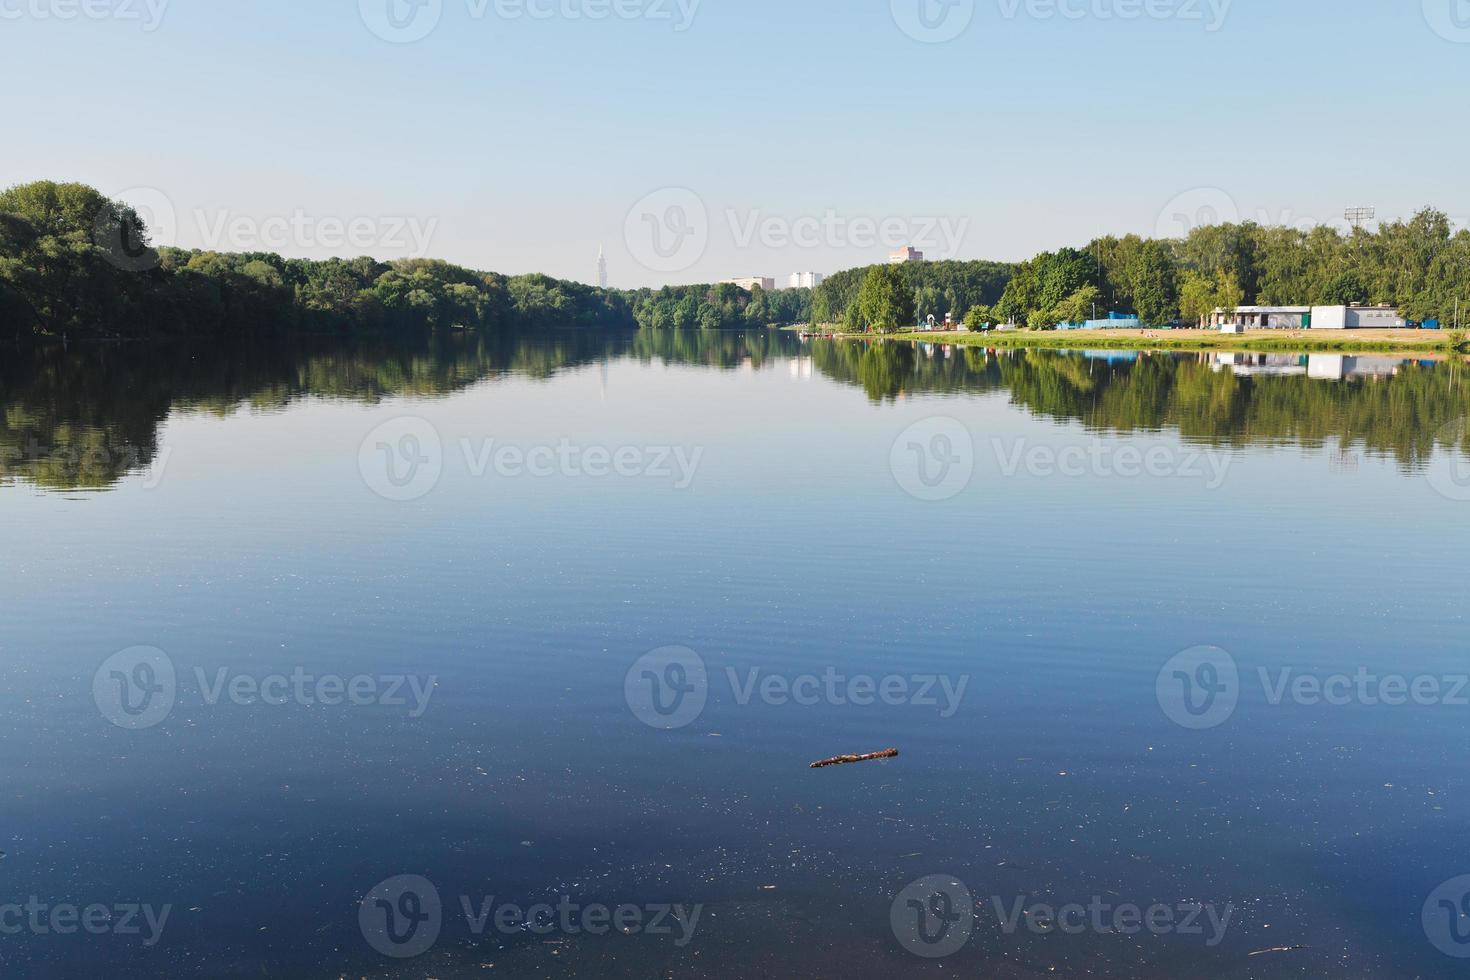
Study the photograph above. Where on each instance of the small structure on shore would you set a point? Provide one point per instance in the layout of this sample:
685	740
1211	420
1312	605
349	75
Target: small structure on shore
1348	317
1113	321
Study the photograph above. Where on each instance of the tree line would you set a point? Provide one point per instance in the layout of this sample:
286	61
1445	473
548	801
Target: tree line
720	307
76	264
1421	266
900	295
73	263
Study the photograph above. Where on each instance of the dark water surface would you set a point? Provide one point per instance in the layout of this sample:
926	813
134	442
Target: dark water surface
562	620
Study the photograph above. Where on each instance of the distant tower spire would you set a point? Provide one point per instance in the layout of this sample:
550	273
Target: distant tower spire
601	268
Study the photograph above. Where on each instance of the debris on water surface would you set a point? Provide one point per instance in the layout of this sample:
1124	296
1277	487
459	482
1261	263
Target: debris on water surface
1279	949
842	760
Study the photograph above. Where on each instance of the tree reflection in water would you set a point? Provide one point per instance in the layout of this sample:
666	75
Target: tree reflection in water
84	417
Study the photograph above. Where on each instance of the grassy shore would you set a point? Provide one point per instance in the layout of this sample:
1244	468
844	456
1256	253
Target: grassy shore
1408	342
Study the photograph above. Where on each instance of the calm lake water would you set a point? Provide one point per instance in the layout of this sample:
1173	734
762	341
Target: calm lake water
345	656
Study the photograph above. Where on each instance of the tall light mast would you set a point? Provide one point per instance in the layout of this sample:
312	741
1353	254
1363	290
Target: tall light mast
1356	216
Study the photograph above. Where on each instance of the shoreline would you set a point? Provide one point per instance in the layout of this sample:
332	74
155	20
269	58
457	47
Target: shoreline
1258	342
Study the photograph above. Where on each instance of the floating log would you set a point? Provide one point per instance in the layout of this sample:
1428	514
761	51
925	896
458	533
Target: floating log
842	760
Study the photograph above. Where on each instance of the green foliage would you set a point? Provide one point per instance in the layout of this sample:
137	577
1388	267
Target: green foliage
886	303
1075	308
721	307
1416	265
1152	283
1228	294
64	251
1045	290
73	263
939	288
979	318
1197	296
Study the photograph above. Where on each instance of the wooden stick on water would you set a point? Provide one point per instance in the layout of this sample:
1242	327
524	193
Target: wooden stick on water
843	760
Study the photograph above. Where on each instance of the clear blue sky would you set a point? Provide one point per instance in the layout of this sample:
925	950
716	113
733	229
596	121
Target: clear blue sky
521	144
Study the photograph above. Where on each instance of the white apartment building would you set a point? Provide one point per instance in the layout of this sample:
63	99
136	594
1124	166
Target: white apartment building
750	282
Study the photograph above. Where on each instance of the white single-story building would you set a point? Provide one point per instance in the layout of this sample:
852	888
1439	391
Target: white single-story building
1354	317
1264	318
1357	317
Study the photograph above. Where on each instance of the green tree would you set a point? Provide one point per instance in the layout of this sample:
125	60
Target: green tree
71	259
956	286
1229	293
1075	308
979	318
758	312
1151	277
1197	297
1343	290
886	302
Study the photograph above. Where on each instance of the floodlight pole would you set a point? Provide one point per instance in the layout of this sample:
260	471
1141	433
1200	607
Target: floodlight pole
1356	216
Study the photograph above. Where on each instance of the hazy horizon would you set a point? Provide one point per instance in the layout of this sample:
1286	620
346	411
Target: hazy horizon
754	139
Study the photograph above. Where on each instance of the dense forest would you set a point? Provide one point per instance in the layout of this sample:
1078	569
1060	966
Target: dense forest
720	307
937	289
1420	266
75	264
